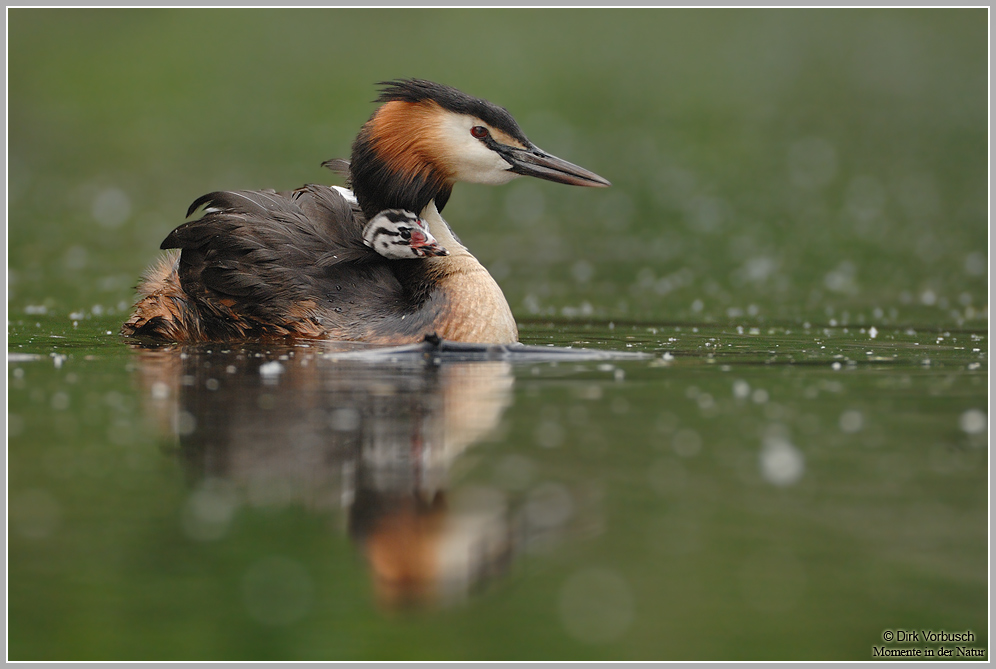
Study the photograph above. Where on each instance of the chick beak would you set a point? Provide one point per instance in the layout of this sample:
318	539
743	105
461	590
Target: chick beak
432	249
535	162
425	246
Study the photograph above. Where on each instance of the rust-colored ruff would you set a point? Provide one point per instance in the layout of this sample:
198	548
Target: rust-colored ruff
407	135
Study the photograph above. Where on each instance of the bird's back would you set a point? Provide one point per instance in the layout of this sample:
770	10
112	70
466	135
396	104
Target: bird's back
262	264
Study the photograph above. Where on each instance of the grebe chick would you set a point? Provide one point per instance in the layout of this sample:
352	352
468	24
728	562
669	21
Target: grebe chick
401	235
267	264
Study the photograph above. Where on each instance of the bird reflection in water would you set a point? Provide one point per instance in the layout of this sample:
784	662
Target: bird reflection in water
376	440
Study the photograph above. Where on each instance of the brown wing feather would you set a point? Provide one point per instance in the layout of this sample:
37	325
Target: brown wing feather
269	264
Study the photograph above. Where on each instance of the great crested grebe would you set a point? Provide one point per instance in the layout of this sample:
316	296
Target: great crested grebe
266	264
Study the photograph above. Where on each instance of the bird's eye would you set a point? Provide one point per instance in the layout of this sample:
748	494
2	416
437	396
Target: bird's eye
479	131
406	233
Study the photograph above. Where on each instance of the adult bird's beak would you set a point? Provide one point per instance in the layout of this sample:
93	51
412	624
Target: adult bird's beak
535	162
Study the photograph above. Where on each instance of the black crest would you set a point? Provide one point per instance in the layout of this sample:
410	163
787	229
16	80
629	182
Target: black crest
458	102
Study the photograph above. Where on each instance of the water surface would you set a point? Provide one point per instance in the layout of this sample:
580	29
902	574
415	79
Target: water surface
741	493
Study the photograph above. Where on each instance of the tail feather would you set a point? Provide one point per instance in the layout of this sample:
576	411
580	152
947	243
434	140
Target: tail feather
162	310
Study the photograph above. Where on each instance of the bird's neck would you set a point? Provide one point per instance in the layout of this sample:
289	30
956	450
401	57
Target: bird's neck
441	230
415	193
391	173
475	308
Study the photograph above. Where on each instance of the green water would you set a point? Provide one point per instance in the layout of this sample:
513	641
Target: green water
795	236
791	493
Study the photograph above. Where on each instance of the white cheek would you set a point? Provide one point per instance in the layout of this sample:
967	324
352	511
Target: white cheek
469	159
494	175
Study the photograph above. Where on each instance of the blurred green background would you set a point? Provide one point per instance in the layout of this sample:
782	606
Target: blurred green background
781	481
779	164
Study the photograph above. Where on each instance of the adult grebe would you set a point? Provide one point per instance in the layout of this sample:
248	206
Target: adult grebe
263	264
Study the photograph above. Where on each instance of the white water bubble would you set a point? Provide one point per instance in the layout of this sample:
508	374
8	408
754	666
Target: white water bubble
976	263
588	391
741	389
209	510
583	271
271	370
781	463
686	442
851	421
842	279
184	423
757	269
111	207
974	421
60	401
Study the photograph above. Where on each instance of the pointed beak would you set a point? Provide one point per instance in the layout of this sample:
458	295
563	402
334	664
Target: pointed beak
535	162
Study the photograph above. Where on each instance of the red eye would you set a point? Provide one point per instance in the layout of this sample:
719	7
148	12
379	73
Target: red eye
479	131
